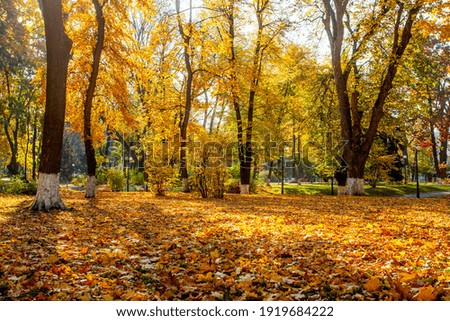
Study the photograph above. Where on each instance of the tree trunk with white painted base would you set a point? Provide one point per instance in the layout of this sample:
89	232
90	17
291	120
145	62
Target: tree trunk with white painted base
245	189
355	186
342	190
87	131
359	117
48	196
58	53
90	187
341	177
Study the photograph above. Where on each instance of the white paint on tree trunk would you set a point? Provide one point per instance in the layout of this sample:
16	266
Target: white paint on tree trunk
268	182
90	187
342	190
355	186
245	189
48	196
185	183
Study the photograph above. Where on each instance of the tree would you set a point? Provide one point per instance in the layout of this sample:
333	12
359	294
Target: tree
58	47
186	35
364	36
17	68
87	135
242	71
431	81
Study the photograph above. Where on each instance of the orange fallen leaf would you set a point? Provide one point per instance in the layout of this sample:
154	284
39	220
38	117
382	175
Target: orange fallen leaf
373	284
427	293
52	259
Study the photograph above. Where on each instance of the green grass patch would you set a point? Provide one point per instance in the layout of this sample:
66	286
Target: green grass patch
381	190
304	189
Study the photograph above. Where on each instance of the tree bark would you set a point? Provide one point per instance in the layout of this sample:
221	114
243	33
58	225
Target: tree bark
13	166
87	132
246	163
58	54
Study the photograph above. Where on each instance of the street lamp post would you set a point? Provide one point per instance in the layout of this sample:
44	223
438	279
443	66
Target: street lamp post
128	170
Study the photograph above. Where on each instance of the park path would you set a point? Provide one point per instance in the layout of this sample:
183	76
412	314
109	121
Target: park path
427	195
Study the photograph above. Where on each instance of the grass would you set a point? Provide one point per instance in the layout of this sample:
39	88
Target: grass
381	190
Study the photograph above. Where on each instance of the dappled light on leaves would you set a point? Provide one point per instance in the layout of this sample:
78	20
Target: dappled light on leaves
138	247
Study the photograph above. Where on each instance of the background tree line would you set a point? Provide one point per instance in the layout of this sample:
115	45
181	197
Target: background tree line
366	83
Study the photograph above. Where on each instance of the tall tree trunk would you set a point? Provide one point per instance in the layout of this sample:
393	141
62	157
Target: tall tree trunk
58	54
33	148
13	166
269	175
443	155
341	177
186	36
243	173
27	146
87	133
256	74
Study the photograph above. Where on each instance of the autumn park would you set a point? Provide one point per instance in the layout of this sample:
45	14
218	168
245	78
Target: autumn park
224	150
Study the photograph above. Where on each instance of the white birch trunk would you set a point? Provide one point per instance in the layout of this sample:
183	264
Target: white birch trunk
355	186
245	189
90	187
48	196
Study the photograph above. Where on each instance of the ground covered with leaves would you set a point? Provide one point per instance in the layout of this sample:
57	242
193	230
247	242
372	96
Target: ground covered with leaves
132	246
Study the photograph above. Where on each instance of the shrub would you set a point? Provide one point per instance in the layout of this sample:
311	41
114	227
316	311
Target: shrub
116	180
217	177
101	175
18	186
79	180
136	177
199	181
234	171
210	180
160	179
231	185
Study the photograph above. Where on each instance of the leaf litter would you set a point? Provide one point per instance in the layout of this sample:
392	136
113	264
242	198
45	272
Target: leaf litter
133	246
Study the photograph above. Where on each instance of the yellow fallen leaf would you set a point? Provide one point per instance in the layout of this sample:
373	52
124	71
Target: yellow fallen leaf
86	297
215	254
406	277
107	297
